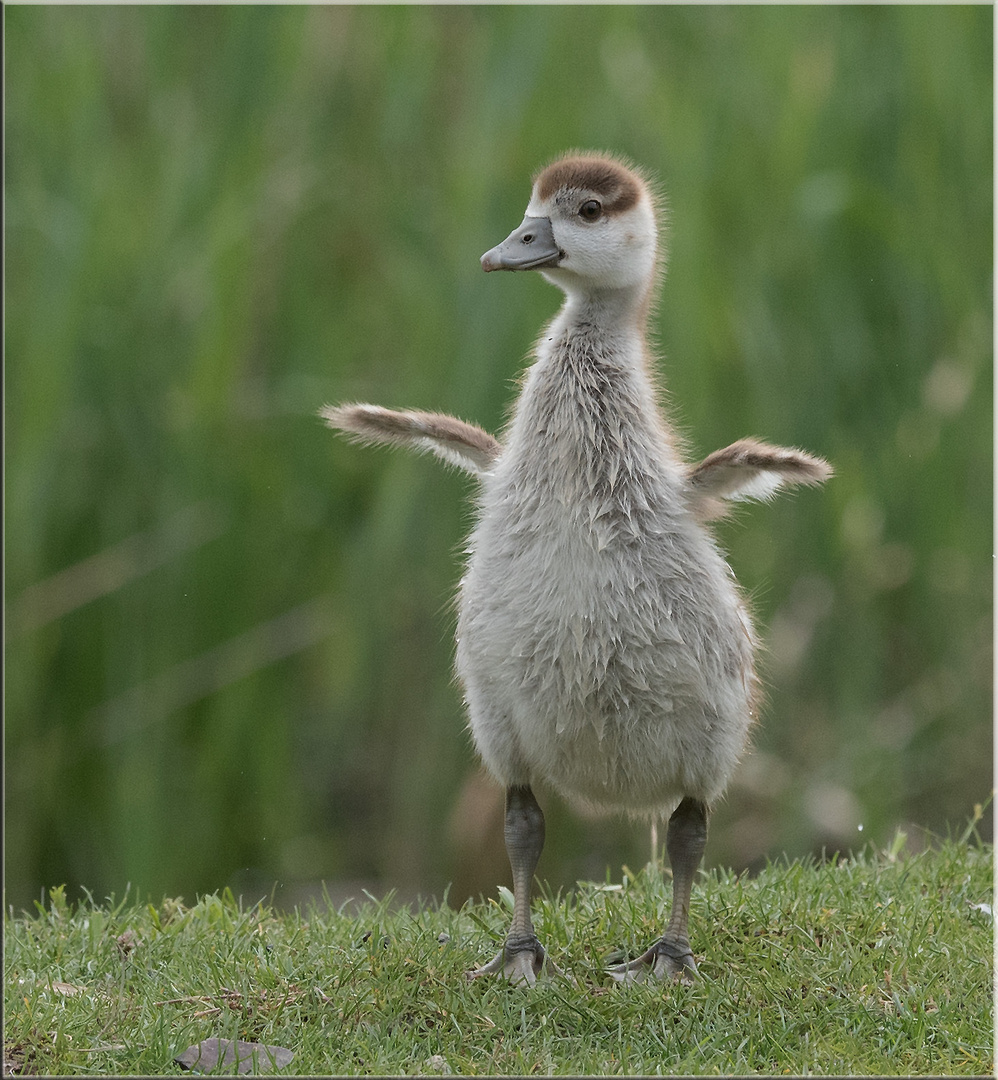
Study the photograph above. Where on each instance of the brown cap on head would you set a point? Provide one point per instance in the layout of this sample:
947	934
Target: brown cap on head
618	187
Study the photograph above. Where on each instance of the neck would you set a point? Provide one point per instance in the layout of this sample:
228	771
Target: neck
612	309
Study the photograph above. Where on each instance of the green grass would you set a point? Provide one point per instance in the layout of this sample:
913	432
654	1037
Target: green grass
876	964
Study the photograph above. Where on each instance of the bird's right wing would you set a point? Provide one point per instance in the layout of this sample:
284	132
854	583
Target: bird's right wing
453	440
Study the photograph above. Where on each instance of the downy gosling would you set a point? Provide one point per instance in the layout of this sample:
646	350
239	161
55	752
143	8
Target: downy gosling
602	641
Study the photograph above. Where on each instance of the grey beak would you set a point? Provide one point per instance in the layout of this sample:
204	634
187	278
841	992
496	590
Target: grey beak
529	247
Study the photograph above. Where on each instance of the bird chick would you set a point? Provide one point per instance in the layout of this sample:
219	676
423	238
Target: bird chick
603	644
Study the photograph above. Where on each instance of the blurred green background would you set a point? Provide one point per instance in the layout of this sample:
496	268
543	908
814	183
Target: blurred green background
229	632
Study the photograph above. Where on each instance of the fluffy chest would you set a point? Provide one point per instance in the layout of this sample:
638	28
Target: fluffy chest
587	573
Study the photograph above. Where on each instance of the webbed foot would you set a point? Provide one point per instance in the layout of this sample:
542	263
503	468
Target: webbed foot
523	962
666	959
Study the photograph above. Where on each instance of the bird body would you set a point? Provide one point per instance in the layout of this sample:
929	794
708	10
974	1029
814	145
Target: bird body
602	641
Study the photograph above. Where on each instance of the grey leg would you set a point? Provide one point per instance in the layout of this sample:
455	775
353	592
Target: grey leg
522	958
671	955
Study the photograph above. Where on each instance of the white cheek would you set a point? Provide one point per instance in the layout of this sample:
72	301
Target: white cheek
585	249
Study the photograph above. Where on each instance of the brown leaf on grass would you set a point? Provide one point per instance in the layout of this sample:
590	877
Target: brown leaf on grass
247	1057
15	1059
127	943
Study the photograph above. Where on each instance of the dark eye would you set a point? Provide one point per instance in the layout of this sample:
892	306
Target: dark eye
590	210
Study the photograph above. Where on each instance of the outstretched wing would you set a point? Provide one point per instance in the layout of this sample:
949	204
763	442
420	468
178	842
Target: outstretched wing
749	469
458	443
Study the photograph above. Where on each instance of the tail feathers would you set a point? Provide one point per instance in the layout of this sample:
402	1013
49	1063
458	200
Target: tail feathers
458	443
749	469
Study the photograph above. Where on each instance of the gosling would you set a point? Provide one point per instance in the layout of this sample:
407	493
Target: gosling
602	641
